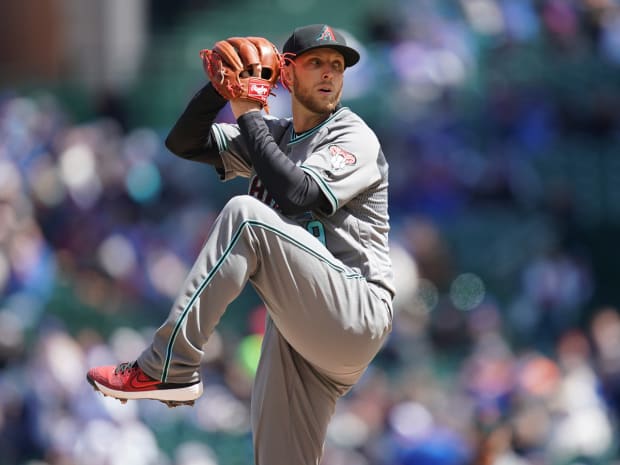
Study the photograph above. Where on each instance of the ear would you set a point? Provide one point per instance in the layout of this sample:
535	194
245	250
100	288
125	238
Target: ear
287	76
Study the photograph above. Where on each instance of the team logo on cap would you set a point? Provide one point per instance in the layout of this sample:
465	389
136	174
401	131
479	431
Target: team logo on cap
340	157
326	35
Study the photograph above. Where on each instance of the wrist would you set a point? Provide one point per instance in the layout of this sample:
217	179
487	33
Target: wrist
240	107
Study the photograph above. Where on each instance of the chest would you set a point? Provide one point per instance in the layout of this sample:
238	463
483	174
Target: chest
299	148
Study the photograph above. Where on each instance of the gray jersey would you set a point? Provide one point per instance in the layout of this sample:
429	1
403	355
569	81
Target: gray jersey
344	157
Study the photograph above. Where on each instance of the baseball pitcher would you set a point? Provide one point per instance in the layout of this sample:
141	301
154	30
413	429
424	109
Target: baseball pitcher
311	237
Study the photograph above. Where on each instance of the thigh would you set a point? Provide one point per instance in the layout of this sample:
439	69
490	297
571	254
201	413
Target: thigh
292	404
323	308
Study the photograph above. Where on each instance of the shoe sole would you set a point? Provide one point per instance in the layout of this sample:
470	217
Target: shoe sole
170	397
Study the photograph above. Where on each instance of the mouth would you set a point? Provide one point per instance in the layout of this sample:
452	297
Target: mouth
325	87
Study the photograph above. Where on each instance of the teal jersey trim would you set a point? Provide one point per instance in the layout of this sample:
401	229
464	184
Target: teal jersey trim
304	135
348	274
220	139
326	189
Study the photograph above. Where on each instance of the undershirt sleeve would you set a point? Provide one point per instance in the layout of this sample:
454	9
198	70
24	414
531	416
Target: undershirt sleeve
191	137
293	189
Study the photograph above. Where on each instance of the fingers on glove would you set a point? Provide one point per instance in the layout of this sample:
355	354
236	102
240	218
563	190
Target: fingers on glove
227	51
269	58
212	63
225	67
248	55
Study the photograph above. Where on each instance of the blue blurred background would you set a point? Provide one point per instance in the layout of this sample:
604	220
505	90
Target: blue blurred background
500	120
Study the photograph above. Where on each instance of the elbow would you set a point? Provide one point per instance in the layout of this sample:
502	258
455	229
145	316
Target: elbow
174	145
289	208
179	147
305	197
286	205
295	206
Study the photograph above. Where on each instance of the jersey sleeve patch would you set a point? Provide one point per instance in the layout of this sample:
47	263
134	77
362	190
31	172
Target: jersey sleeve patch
340	158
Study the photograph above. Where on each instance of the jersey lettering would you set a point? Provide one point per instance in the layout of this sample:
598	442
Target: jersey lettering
317	229
257	189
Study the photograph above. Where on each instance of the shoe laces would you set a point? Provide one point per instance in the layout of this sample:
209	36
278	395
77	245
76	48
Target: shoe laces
126	366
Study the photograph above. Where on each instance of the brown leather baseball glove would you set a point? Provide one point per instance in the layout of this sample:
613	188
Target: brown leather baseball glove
243	67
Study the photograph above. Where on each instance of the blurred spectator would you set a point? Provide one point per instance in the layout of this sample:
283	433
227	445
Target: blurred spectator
605	333
582	430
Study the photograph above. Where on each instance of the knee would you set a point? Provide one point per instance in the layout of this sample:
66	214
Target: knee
242	207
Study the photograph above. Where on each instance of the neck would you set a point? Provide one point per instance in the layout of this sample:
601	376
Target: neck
304	119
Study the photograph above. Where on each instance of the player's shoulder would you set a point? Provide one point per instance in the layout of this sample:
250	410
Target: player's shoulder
346	116
347	121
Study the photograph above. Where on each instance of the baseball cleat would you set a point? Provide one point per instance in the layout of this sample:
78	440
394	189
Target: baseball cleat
127	381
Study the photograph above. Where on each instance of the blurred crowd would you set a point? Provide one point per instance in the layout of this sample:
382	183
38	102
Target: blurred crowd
501	353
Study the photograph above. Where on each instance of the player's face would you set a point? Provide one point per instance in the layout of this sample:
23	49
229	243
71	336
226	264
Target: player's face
317	79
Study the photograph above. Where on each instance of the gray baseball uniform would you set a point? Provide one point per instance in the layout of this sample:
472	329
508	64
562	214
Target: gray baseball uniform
325	278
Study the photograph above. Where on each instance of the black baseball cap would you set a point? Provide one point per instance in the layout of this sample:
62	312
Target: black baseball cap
306	38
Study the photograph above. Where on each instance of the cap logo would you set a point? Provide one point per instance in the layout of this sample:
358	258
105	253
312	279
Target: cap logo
326	35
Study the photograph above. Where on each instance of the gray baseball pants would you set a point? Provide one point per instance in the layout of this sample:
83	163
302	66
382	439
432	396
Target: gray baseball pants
325	325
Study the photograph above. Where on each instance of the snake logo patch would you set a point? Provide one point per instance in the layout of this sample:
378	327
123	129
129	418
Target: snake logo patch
340	157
